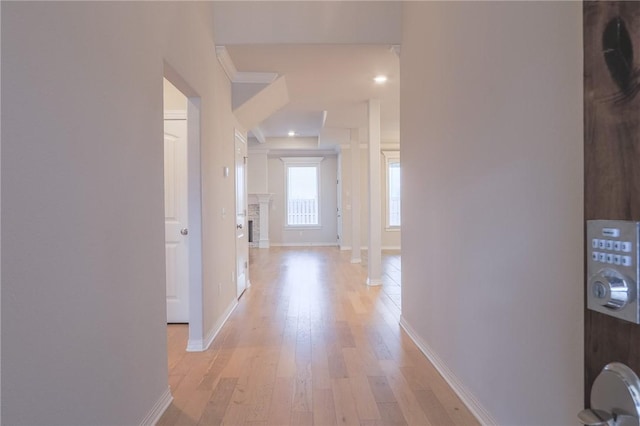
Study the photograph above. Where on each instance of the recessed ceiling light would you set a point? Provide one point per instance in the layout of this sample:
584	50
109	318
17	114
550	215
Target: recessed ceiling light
291	133
379	79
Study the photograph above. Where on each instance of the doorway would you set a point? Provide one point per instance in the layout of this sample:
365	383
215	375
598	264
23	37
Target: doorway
242	242
176	213
182	207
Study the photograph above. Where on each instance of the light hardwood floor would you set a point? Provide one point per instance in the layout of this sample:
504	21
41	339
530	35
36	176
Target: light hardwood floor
310	344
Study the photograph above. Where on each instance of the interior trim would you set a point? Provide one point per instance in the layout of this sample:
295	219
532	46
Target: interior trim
158	409
468	399
202	345
304	244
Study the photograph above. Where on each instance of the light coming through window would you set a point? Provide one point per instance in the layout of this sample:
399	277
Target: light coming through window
302	196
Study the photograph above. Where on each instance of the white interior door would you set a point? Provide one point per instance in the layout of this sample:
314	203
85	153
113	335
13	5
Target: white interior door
176	223
242	242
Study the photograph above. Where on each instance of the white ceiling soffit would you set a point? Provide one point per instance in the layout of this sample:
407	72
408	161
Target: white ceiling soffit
236	76
337	79
302	152
269	100
292	143
242	92
258	134
355	115
330	136
303	123
307	22
291	146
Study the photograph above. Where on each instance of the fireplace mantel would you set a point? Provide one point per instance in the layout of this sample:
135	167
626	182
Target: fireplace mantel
259	198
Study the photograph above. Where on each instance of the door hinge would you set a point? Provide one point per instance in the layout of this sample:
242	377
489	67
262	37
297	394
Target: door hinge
246	265
245	160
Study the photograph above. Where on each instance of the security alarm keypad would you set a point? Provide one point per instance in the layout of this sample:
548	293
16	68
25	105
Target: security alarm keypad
612	268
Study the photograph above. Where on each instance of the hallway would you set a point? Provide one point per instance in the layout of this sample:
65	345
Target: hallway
308	344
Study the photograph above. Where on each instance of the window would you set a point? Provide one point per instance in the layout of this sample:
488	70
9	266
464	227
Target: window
302	181
392	161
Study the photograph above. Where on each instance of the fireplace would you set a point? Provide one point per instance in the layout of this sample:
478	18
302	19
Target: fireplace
258	217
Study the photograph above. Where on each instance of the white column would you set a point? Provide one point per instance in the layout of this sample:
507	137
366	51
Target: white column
355	197
375	196
263	202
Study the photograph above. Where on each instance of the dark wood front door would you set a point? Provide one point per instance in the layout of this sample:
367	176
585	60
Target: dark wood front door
611	156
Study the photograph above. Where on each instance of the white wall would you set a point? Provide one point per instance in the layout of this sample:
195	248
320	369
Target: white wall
345	242
218	151
492	258
84	336
257	173
326	235
322	22
390	238
173	99
0	255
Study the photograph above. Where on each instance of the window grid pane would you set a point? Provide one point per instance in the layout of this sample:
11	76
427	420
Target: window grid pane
302	195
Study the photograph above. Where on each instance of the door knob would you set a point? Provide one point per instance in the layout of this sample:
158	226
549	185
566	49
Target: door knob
615	398
184	231
239	226
590	417
595	418
611	289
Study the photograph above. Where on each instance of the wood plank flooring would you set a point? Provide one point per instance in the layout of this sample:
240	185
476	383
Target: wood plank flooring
310	344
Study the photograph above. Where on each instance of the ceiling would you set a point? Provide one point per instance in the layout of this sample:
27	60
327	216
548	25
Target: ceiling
328	85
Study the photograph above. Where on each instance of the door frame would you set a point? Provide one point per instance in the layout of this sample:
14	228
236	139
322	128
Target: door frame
339	207
196	342
237	134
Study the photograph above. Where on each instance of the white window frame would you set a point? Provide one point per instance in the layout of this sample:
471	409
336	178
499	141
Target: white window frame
302	162
390	157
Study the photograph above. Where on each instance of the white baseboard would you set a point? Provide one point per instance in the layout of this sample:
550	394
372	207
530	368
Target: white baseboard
200	345
468	399
304	244
374	282
343	248
366	248
195	345
158	409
